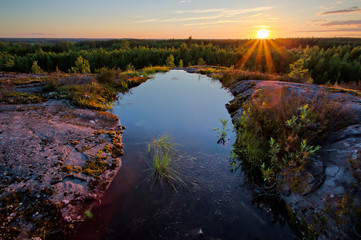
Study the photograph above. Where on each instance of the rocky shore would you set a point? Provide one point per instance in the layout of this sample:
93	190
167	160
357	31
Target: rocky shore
326	208
56	161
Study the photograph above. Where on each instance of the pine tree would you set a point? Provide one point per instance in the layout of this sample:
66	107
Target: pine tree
170	61
81	66
180	65
36	69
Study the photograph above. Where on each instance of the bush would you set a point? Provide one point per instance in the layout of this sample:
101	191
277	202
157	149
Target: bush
92	95
201	62
36	69
279	131
233	76
170	61
298	73
180	64
81	66
105	75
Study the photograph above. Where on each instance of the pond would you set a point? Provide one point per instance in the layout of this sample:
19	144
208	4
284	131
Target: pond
215	203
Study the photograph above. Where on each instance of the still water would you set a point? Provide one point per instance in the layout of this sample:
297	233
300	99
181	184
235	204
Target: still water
215	203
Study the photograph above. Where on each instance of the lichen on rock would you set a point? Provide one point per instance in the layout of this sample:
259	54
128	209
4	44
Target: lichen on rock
53	165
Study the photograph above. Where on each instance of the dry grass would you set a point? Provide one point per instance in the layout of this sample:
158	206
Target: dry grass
350	85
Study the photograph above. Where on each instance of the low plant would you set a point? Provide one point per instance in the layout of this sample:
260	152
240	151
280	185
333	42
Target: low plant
222	133
99	93
21	98
92	95
232	76
180	64
298	73
81	66
201	62
279	131
152	70
162	152
35	68
169	62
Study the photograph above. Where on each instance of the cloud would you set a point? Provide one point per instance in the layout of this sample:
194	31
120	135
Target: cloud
342	11
146	20
201	11
316	21
210	23
338	23
226	12
335	30
232	13
220	14
185	1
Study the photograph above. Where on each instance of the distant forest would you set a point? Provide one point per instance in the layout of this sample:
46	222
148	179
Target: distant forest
329	60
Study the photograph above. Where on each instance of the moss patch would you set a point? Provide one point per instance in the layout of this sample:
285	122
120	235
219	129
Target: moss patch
22	98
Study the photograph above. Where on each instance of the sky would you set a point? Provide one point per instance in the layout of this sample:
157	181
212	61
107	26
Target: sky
165	19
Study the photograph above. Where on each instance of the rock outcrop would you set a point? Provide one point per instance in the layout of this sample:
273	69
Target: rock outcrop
333	178
56	160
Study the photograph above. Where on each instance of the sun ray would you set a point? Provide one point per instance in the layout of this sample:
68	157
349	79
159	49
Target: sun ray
259	56
269	60
276	47
250	42
247	55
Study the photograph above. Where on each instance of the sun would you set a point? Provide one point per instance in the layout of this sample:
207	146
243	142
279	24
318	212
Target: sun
263	33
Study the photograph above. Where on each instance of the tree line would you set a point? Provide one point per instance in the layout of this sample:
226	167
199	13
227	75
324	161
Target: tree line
328	60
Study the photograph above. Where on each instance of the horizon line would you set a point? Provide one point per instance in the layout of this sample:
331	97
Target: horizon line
130	38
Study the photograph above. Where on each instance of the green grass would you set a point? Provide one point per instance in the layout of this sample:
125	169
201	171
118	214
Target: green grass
162	152
93	95
21	98
95	92
152	70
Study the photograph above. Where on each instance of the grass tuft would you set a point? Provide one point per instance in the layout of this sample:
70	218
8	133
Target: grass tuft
162	152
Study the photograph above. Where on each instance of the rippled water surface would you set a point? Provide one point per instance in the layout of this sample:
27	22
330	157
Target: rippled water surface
214	201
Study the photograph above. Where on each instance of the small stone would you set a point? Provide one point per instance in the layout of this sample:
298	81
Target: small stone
92	121
332	196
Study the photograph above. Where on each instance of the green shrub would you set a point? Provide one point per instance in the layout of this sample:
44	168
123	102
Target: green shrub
81	66
105	75
279	131
170	61
36	69
298	73
180	64
201	62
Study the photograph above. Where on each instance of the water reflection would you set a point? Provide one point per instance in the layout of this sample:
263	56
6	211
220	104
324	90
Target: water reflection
215	203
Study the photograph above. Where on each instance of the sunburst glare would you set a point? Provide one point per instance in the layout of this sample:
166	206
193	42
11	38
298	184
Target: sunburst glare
263	33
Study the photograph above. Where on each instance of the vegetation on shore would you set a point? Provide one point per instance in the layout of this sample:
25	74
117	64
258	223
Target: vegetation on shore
97	91
280	131
328	60
277	136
